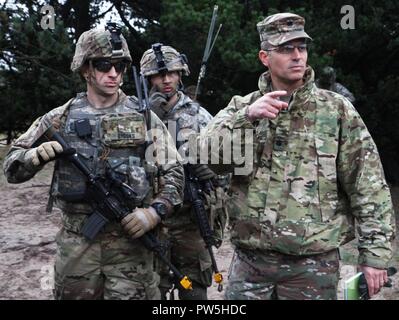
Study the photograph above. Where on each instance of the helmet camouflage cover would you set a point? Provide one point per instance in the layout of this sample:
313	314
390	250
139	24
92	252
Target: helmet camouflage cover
163	58
96	43
327	76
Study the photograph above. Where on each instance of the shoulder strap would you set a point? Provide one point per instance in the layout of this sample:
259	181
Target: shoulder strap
63	117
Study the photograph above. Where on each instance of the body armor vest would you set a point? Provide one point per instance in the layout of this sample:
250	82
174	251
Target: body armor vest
182	120
111	141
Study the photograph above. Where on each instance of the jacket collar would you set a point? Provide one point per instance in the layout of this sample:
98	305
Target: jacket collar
300	96
265	83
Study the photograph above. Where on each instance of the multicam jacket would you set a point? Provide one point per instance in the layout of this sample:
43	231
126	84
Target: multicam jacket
117	143
316	170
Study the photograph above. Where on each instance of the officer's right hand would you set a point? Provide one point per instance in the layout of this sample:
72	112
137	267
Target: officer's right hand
157	99
376	278
140	221
46	151
267	106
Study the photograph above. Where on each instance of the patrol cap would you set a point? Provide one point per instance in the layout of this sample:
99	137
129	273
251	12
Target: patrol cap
280	28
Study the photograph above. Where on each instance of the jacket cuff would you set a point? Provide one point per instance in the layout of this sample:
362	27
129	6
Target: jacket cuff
372	261
27	161
167	203
242	120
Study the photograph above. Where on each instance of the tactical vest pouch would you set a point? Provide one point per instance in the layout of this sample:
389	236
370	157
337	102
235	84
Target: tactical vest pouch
122	130
132	173
83	128
69	183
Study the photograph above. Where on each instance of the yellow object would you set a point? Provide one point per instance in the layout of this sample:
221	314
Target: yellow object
186	283
218	277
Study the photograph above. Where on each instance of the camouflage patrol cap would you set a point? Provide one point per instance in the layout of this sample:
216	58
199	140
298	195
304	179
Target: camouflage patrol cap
280	28
173	61
94	44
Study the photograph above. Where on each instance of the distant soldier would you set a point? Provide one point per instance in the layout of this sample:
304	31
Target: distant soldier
327	81
108	130
316	171
164	67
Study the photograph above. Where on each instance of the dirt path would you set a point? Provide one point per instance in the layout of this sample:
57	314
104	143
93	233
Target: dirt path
27	246
26	238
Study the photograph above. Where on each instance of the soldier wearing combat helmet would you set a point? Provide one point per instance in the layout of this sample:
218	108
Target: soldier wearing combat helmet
108	130
164	67
316	170
327	80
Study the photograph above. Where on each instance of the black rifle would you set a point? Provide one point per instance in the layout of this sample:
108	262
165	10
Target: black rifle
194	190
109	197
141	87
363	288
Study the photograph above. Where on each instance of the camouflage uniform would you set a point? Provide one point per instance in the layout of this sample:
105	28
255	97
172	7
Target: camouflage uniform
112	266
316	170
188	250
327	81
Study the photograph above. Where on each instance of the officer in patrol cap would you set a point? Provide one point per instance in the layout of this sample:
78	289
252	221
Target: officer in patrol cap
315	172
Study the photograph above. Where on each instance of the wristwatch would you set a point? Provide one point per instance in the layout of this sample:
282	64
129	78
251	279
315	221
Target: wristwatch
161	209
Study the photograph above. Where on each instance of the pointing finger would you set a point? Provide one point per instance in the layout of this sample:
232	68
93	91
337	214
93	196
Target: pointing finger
278	104
276	94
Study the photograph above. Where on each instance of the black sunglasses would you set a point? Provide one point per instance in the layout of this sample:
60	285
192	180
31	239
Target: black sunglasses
103	65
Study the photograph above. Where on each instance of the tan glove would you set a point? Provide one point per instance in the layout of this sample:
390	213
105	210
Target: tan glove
47	151
140	221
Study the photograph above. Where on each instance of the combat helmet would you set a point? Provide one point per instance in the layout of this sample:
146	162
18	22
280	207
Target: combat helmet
161	59
327	76
92	44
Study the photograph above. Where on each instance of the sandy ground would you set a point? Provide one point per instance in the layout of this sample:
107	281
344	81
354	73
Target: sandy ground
27	245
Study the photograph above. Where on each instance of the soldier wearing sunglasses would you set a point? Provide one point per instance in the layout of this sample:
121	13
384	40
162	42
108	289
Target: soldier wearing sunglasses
316	170
108	130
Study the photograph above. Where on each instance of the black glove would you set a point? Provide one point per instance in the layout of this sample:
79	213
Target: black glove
158	99
202	172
